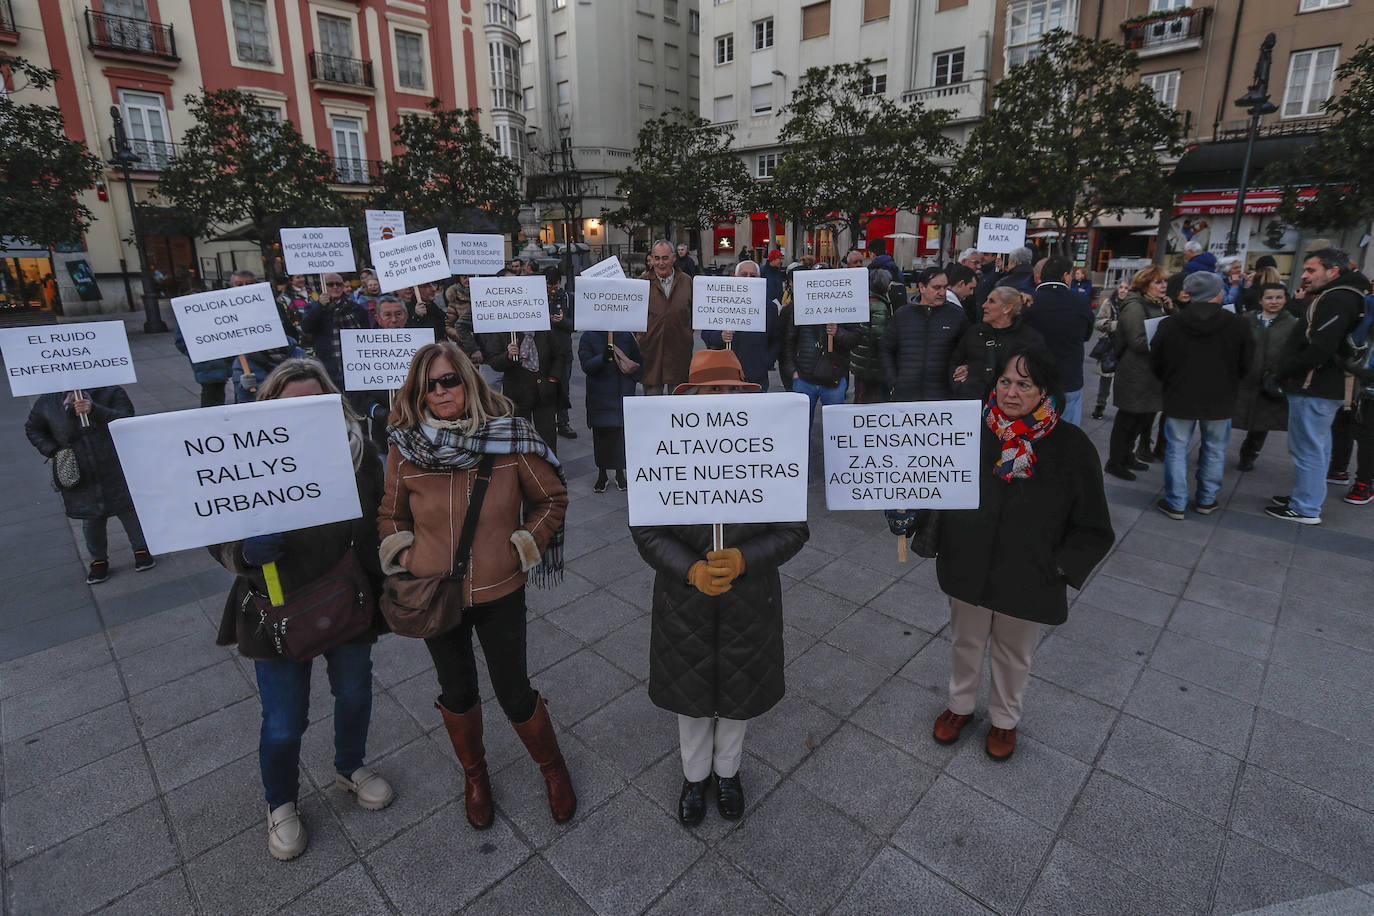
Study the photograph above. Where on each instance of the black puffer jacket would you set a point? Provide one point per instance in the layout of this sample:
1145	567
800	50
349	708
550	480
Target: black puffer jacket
102	491
1312	363
526	389
983	349
723	655
916	348
803	345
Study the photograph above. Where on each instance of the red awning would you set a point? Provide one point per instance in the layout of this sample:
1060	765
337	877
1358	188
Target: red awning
1210	203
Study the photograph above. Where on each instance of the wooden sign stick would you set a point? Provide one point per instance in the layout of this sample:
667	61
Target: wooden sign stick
830	343
243	364
717	537
901	549
83	417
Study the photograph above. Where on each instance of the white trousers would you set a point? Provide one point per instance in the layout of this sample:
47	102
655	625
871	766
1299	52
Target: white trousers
1010	643
710	743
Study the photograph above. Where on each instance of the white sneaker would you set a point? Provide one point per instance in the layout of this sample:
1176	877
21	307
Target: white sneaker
374	793
286	836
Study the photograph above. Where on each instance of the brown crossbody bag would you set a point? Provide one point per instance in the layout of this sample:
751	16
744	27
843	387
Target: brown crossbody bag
425	606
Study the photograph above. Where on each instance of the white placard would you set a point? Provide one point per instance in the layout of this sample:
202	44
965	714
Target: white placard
1151	326
505	304
227	322
317	251
1000	234
611	304
409	260
65	357
384	224
717	458
218	474
476	255
825	296
729	303
379	358
917	455
607	269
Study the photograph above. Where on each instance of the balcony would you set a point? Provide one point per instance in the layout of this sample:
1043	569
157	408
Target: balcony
339	71
356	171
123	37
964	100
9	29
1167	33
153	155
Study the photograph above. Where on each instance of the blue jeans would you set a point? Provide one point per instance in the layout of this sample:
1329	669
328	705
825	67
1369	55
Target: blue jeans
1309	444
285	689
98	544
818	394
1073	407
1211	460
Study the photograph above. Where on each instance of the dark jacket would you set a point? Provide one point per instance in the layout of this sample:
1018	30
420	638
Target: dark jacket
1310	364
916	348
987	281
526	389
606	384
1029	537
865	361
1200	355
1064	319
102	491
1135	389
209	372
885	262
756	351
434	318
1256	410
1021	277
320	324
776	278
983	349
458	321
723	655
803	347
1203	261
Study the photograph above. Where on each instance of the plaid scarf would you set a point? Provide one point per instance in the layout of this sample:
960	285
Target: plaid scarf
1018	458
447	448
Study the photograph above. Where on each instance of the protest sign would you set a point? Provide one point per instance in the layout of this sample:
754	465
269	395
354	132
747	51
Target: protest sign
220	474
317	251
825	296
66	357
918	455
379	358
1151	326
1002	235
227	322
409	260
480	255
607	269
717	458
509	304
384	224
729	303
611	304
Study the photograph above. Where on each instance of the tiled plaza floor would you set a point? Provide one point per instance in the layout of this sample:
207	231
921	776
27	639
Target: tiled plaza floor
1197	738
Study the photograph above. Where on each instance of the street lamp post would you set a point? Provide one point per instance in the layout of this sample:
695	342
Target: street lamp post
124	157
1256	101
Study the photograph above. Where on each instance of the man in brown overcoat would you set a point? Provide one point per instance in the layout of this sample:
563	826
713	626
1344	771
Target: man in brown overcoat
667	344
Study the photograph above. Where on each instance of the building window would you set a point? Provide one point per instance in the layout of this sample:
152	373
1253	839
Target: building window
765	165
1164	86
1307	6
646	95
410	60
646	49
509	141
559	4
877	78
724	109
672	57
250	30
529	99
694	22
560	44
694	65
503	12
336	35
948	68
564	93
145	116
763	34
349	165
670	10
1310	77
1029	20
816	20
505	75
876	9
761	99
645	6
671	99
725	49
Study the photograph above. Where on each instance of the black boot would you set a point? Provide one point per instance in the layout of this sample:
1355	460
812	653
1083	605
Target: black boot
691	804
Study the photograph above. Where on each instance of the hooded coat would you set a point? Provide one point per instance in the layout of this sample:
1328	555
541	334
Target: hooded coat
1200	355
1135	388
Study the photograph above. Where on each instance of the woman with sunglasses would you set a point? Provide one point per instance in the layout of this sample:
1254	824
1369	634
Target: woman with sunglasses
445	422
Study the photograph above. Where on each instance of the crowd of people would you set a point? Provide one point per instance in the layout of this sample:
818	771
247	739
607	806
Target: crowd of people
463	496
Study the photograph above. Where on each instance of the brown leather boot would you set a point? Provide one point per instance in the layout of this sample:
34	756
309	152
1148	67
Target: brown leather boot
465	731
540	741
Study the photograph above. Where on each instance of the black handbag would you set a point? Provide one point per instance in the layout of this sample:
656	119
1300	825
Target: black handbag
66	473
424	606
925	532
827	371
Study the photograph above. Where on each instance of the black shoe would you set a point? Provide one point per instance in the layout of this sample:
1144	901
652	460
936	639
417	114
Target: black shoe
1117	470
100	571
1280	500
1205	508
691	804
1143	454
1286	514
600	485
143	561
620	483
1247	463
1135	464
729	797
1158	453
1097	413
567	432
1170	511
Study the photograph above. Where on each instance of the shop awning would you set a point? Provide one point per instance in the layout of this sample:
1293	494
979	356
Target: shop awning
1258	201
1218	164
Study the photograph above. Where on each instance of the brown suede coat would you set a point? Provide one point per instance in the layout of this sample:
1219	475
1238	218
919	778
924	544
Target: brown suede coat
667	344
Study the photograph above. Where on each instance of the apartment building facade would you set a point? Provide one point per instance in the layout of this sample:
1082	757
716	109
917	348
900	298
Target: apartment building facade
754	52
342	71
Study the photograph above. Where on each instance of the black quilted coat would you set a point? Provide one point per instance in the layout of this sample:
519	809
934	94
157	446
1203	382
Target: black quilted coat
916	347
102	491
723	655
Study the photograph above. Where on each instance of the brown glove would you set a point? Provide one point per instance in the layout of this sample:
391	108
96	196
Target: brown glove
701	578
725	565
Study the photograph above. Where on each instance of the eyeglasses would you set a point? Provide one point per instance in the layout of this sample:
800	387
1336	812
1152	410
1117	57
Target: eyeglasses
449	380
334	283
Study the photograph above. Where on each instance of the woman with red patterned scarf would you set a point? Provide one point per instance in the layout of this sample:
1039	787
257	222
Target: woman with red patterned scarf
1041	524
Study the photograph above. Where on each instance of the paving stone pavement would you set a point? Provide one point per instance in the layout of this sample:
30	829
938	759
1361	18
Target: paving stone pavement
1196	739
